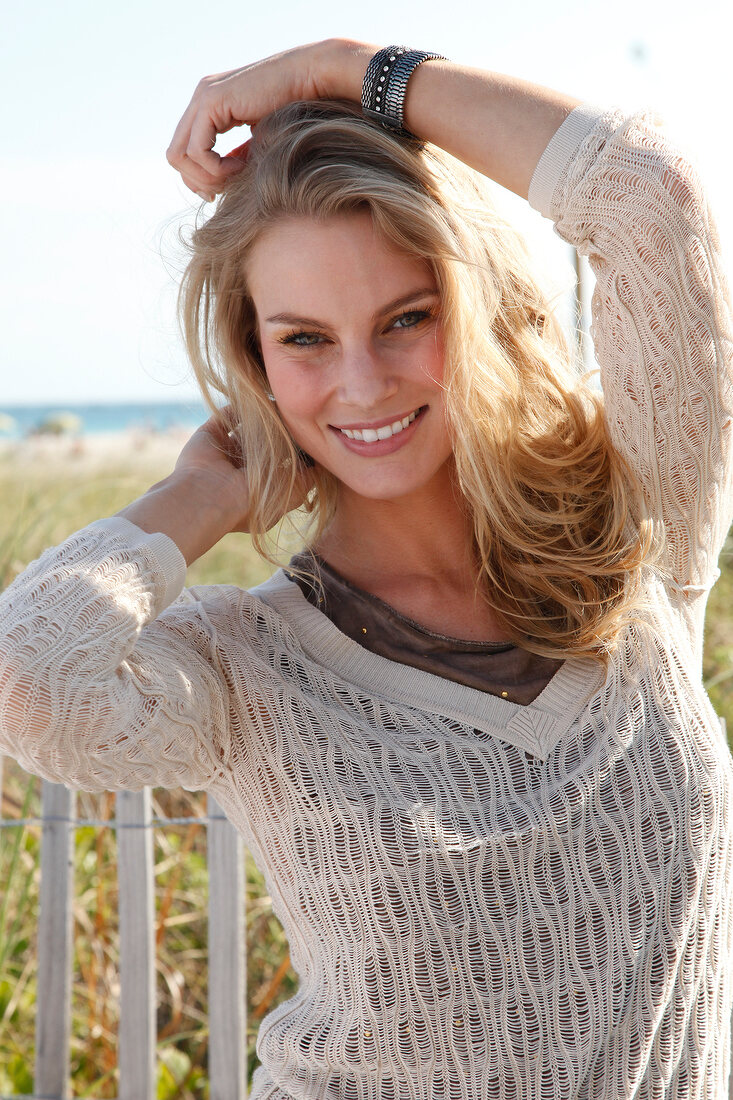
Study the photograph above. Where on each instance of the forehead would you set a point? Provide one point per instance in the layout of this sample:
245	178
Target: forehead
308	263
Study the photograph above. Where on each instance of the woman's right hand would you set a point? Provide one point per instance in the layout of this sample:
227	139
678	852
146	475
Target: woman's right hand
211	465
207	495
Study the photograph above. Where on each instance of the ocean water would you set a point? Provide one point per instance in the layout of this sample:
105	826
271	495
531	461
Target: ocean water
17	421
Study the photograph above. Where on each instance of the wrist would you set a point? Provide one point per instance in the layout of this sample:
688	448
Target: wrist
343	65
187	508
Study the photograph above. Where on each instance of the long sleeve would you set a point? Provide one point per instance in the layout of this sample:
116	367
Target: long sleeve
103	685
629	201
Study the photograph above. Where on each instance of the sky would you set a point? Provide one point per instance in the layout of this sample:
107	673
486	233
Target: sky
90	93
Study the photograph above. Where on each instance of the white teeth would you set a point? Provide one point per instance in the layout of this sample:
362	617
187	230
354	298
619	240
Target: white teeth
372	435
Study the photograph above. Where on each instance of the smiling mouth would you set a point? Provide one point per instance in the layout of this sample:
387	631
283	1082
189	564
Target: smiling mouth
374	435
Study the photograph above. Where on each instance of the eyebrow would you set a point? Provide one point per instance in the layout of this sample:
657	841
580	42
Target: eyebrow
293	319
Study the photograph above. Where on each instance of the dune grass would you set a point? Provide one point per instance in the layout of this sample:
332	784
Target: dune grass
41	505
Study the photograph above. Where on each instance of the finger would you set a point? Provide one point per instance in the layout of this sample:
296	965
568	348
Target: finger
176	151
201	146
219	423
203	183
205	191
199	181
218	433
225	428
196	177
203	172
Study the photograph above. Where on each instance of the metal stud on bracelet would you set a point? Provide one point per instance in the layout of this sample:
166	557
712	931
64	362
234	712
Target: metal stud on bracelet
385	85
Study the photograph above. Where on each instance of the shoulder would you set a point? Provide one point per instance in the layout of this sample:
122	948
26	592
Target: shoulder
235	615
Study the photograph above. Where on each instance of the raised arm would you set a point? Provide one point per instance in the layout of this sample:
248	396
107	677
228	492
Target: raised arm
498	124
102	684
620	192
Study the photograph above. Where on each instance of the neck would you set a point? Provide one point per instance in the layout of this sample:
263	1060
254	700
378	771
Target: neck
426	535
415	554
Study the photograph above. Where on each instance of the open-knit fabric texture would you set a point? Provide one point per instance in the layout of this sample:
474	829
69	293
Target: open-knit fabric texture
483	900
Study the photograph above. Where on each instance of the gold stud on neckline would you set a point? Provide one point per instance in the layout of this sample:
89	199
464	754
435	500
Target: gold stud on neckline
363	630
505	694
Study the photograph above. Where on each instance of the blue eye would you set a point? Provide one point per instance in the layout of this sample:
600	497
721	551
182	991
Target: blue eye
302	339
411	319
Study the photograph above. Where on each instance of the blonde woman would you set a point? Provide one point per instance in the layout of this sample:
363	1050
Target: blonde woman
464	734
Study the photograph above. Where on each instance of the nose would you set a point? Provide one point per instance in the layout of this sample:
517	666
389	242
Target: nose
366	379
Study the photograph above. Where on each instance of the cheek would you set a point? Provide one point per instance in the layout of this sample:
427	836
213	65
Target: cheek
432	360
296	397
438	371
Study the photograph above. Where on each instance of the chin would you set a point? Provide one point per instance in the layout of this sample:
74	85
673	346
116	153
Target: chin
394	489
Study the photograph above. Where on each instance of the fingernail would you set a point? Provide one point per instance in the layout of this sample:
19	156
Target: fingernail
206	197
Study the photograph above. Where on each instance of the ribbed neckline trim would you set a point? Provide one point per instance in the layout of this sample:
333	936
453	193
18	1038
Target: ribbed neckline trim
536	728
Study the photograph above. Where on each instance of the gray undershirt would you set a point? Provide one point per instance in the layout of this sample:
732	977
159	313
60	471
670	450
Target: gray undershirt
499	668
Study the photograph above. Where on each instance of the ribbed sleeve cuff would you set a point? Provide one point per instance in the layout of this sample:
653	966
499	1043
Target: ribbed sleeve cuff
562	148
170	562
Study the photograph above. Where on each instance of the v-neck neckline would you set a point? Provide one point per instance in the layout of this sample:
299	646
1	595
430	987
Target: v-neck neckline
535	728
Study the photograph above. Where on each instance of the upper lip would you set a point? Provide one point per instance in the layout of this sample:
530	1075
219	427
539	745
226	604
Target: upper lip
360	425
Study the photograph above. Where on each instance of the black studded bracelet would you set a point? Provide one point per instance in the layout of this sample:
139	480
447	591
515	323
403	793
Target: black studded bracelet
385	85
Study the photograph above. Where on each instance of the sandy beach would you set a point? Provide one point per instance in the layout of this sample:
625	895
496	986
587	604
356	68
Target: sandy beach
134	449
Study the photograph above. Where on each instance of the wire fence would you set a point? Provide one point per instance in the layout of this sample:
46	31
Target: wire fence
107	823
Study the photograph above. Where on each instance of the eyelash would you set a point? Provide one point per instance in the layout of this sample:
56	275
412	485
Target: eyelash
291	337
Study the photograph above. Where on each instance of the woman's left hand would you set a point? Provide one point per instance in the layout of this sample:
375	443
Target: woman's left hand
243	96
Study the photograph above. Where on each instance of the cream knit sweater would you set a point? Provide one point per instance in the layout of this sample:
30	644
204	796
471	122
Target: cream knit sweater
483	900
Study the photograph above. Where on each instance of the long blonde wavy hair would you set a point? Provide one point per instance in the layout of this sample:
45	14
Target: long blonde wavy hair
560	535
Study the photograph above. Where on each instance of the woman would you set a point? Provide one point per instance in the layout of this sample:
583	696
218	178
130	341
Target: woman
465	735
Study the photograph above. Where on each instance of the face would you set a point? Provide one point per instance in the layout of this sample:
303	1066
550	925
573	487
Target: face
351	340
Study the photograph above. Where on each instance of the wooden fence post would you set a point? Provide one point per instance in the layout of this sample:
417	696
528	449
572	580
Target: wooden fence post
227	960
53	1019
137	1036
